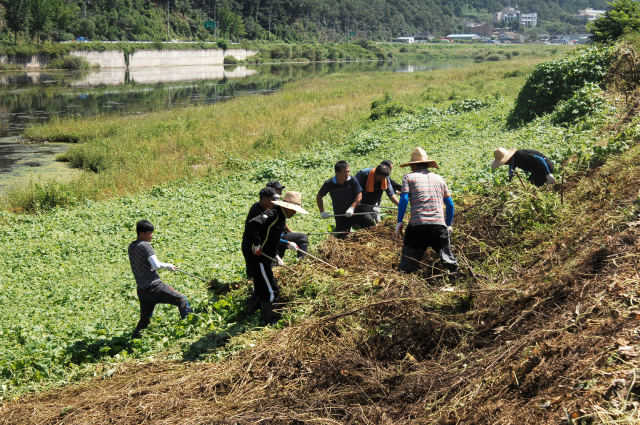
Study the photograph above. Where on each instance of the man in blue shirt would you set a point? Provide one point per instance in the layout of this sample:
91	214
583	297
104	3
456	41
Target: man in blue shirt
346	194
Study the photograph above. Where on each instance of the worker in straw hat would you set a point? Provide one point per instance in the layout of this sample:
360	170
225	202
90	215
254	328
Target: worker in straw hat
429	226
528	160
300	239
262	235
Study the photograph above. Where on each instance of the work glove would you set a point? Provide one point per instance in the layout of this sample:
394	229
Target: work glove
324	215
376	210
551	179
349	212
279	261
399	230
170	267
257	250
292	246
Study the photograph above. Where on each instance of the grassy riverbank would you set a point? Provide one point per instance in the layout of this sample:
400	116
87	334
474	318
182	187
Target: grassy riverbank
67	290
124	155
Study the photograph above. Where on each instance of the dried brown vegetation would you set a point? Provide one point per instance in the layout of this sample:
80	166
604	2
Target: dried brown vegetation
541	329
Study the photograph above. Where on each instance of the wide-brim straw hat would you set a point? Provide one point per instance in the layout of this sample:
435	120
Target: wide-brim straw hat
502	156
419	156
292	201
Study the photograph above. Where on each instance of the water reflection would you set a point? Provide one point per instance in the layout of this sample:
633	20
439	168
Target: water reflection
36	96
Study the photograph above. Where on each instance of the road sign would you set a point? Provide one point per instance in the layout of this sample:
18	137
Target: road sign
352	34
209	24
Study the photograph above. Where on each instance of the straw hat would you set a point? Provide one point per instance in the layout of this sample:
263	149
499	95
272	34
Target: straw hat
502	156
292	201
419	156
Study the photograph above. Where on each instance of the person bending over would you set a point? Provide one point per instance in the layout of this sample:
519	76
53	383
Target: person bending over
151	290
528	160
374	181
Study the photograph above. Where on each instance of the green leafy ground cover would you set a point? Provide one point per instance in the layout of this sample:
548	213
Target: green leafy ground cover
67	293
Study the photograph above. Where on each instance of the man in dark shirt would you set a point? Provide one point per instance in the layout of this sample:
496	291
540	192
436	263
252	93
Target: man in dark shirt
267	196
539	166
397	187
346	194
289	235
151	290
374	181
262	234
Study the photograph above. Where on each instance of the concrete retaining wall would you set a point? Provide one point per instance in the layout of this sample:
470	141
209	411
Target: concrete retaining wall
139	59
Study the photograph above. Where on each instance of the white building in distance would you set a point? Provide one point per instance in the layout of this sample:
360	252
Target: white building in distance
510	14
590	14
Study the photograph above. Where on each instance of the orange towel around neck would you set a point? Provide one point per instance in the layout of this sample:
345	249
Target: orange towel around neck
371	180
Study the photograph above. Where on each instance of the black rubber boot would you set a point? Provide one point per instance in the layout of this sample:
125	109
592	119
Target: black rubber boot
252	305
268	314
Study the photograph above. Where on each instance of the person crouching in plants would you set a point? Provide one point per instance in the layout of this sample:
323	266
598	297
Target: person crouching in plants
528	160
262	235
151	290
428	226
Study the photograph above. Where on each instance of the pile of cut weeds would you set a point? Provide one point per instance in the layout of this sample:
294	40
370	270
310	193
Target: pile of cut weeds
540	329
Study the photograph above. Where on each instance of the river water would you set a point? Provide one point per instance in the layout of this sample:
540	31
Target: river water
33	97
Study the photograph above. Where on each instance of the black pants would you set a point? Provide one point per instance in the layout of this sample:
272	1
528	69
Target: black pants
343	224
299	239
416	241
265	284
539	178
159	294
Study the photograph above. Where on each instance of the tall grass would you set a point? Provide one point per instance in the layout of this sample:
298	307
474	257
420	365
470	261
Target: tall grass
123	155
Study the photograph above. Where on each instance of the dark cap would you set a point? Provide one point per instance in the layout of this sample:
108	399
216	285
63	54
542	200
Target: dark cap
269	192
275	184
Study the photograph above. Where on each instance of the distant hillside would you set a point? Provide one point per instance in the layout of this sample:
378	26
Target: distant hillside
290	21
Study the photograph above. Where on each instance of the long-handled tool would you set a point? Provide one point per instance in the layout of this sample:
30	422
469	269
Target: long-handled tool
192	275
328	233
271	259
379	206
362	213
316	258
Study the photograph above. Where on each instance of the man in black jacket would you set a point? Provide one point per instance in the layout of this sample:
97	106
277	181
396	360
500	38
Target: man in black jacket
262	235
300	239
528	160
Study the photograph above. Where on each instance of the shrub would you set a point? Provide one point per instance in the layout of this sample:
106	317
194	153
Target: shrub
390	55
479	57
467	105
403	49
552	82
507	55
515	52
223	44
230	60
385	107
69	62
585	102
493	58
281	51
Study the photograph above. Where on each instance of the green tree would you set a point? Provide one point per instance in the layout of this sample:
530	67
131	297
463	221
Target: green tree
41	13
17	16
624	16
63	15
230	23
